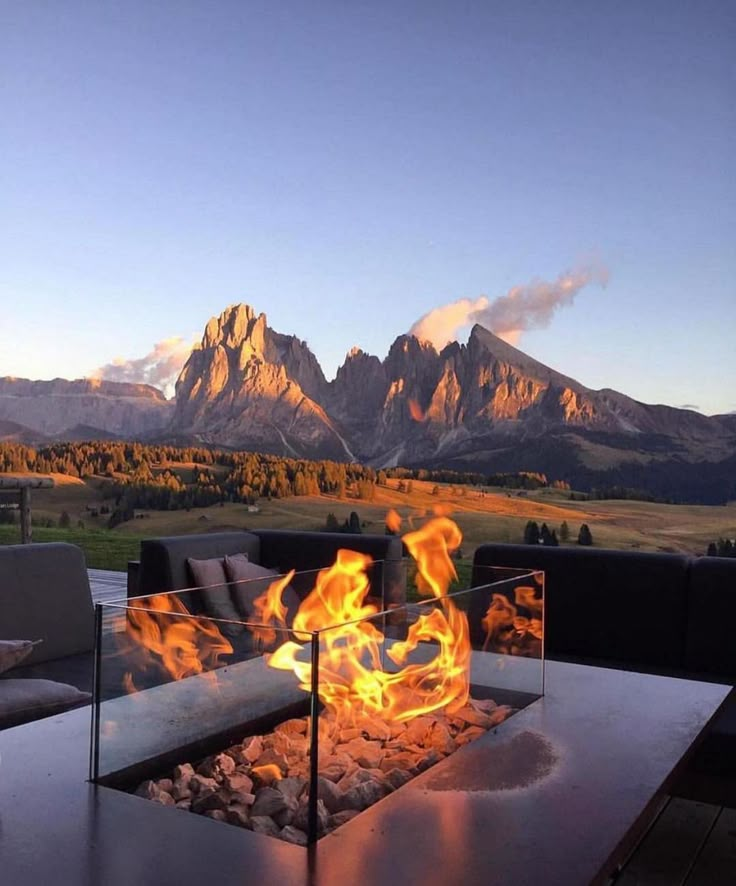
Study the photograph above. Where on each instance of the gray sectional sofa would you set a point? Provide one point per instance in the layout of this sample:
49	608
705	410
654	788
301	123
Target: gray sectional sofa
45	595
655	613
163	564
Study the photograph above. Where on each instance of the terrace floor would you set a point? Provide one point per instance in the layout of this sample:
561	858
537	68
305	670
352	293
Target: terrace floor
107	585
689	844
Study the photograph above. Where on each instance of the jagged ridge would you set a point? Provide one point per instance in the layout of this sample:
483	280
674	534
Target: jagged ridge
248	386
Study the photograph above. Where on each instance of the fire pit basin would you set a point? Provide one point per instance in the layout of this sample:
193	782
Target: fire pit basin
203	715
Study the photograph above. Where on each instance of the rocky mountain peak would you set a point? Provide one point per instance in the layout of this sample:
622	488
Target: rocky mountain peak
235	325
250	386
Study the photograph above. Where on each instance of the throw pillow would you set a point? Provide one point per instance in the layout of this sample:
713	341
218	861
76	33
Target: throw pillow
24	700
250	580
12	652
209	576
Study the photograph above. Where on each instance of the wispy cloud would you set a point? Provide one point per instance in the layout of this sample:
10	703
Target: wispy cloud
530	306
693	406
159	368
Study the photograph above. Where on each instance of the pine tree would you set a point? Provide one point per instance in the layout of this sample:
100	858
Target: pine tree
331	524
584	536
531	533
354	524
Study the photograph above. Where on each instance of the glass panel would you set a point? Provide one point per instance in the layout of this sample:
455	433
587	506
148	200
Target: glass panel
171	686
331	699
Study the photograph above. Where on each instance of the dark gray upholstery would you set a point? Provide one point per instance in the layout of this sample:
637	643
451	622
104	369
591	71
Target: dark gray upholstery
710	653
610	607
163	565
75	669
44	594
711	619
284	549
648	612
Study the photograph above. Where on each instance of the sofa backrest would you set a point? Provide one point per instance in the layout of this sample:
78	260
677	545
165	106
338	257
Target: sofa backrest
163	564
284	549
45	595
621	607
711	646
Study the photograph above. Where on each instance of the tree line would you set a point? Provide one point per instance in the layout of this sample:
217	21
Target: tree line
724	547
149	475
536	535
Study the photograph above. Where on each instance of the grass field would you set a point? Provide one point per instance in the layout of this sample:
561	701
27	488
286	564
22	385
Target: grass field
103	549
483	515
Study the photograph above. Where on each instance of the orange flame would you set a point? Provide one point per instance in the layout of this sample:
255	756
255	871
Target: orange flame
269	608
429	668
351	681
269	772
505	628
393	521
182	644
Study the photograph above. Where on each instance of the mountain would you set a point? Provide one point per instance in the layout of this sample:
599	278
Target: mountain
248	386
33	411
485	406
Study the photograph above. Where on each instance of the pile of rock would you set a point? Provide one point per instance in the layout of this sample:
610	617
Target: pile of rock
262	783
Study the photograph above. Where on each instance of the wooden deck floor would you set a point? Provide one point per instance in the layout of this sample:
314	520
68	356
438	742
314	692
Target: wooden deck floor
689	844
107	585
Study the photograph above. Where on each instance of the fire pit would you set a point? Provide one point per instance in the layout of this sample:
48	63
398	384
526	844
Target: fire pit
293	721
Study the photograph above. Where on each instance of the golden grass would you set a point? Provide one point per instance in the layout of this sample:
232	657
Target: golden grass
483	515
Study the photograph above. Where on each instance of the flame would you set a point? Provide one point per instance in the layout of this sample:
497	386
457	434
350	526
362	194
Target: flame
269	772
361	675
269	608
182	644
393	521
352	682
506	630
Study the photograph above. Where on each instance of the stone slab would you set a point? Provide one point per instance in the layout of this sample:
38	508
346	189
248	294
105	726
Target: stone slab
554	795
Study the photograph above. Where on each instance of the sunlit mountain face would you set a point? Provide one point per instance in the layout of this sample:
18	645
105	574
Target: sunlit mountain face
484	406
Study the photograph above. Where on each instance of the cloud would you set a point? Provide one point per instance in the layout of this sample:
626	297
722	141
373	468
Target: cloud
441	325
689	406
530	306
160	367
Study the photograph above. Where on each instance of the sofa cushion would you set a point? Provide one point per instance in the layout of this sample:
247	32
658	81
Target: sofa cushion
209	577
12	652
710	647
250	580
75	669
163	563
45	594
604	605
24	700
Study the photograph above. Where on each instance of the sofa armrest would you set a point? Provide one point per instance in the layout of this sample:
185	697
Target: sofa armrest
45	595
711	617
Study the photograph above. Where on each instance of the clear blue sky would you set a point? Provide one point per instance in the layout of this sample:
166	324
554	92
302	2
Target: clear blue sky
347	166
